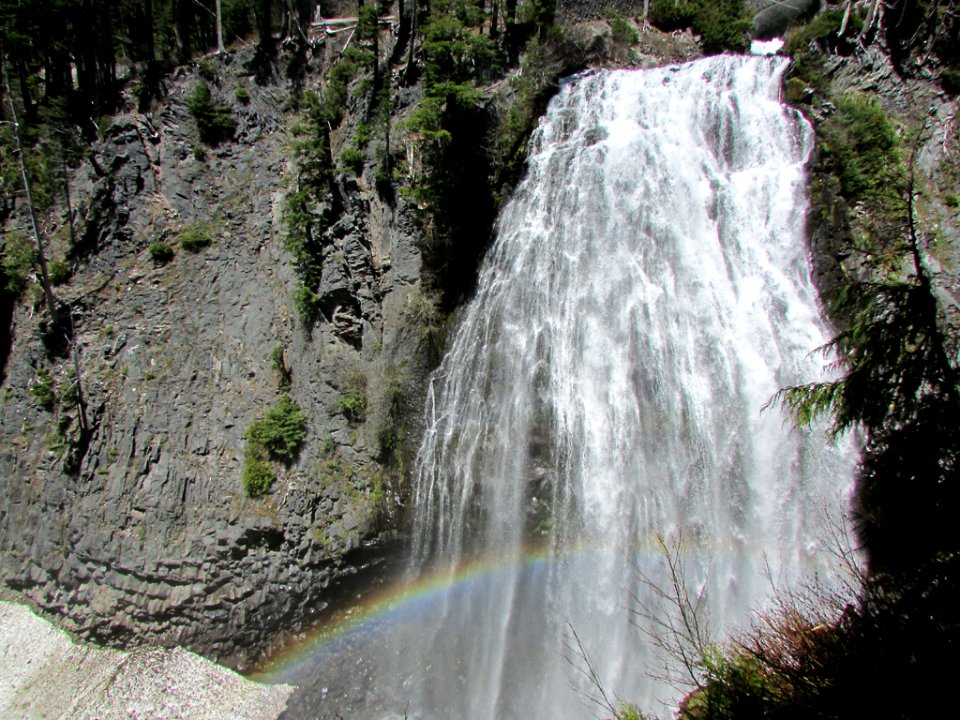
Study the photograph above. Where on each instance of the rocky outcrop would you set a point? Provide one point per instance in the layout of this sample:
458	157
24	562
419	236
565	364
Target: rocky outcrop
773	18
915	99
138	526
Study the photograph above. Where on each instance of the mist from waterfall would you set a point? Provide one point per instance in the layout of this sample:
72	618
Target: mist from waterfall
647	293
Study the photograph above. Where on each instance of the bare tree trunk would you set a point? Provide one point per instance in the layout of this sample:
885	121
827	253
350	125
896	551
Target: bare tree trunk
81	401
41	255
219	15
66	193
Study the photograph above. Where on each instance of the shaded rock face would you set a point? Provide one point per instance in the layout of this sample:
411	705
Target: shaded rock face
773	18
917	100
138	530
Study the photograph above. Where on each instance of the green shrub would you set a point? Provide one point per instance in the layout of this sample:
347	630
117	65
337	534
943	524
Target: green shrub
823	32
242	95
19	260
43	389
215	121
160	252
621	31
206	69
59	272
280	433
353	158
670	15
738	684
258	474
807	44
950	79
721	24
353	402
280	365
307	303
863	144
194	239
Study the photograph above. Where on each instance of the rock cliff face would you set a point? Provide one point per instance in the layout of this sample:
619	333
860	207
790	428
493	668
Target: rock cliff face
139	529
916	100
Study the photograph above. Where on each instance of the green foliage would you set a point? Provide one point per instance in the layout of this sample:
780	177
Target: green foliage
426	122
194	239
823	32
307	208
278	361
622	31
280	433
353	158
58	272
737	684
19	260
43	389
337	87
721	24
628	711
242	95
160	252
258	474
670	15
543	62
863	143
453	52
353	401
950	79
424	317
214	120
307	304
207	69
392	433
809	44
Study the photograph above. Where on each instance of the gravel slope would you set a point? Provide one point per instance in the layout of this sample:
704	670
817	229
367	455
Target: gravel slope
44	674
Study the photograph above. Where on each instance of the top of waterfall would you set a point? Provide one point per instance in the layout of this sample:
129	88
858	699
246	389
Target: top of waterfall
766	47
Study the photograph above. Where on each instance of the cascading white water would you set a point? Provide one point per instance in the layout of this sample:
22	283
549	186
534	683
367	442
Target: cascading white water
647	293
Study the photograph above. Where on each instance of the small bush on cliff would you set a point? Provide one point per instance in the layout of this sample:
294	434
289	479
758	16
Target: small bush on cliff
809	44
863	143
194	239
43	389
19	259
280	432
214	120
721	24
353	402
258	474
277	436
160	252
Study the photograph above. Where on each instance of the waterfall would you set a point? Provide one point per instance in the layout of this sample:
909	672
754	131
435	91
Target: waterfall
647	293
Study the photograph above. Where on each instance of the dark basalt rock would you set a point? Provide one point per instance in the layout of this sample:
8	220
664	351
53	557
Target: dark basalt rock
143	534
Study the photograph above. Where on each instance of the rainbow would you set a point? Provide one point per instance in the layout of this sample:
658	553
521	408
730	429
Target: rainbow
394	604
407	600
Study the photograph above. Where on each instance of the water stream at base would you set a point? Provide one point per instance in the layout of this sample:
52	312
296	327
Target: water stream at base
647	293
